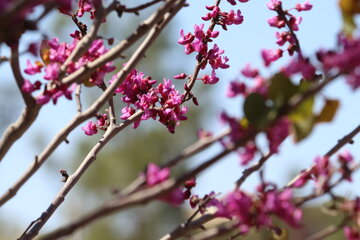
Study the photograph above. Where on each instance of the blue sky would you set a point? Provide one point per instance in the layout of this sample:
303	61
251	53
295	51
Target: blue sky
242	44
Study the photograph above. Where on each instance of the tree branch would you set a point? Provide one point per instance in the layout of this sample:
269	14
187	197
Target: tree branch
14	131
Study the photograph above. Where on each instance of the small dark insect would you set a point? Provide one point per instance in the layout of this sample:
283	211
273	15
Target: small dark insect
64	174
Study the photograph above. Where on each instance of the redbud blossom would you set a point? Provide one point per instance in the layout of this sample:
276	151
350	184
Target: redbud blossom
156	175
270	55
276	21
305	6
249	72
277	133
236	88
274	4
33	69
90	128
351	233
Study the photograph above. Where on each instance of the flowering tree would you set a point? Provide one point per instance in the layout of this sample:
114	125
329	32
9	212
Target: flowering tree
275	107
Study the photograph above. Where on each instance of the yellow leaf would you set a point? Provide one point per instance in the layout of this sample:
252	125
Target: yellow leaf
328	112
45	51
348	9
279	234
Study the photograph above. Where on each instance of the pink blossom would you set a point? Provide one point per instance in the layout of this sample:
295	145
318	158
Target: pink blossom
233	18
249	72
353	79
260	86
294	23
127	112
180	76
212	79
33	48
284	37
43	98
300	65
236	88
84	6
276	21
175	198
52	71
277	134
351	233
156	175
280	203
274	4
237	130
305	6
90	128
33	69
232	2
345	157
248	153
185	39
270	55
302	179
28	87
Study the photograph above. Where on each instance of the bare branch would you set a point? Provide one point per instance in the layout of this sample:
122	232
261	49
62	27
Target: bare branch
14	131
112	131
184	228
215	232
247	172
329	230
78	99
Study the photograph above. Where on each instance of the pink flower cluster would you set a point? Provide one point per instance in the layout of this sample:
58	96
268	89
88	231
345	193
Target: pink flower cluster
346	60
163	101
283	19
198	41
92	128
256	210
223	18
239	88
54	56
277	133
155	175
323	170
352	209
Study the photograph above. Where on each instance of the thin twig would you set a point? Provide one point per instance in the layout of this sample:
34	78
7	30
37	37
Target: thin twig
112	131
15	130
215	232
78	99
184	228
329	230
247	172
122	8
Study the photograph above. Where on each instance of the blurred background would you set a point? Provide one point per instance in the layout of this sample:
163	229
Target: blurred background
127	155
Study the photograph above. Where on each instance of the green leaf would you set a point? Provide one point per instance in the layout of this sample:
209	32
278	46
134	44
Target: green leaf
328	112
303	119
281	89
256	110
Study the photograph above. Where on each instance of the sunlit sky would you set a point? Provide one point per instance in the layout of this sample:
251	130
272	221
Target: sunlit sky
242	44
